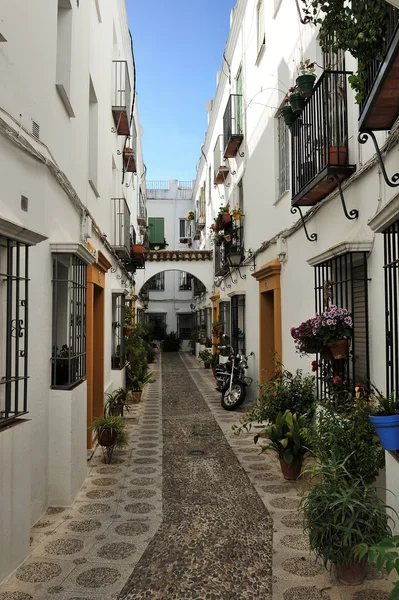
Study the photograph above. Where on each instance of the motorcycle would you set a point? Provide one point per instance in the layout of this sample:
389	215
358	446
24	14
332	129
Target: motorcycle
231	380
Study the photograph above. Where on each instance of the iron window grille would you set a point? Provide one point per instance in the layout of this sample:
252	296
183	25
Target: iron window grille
157	283
68	361
224	316
185	325
391	284
343	281
283	156
238	323
185	281
118	336
14	277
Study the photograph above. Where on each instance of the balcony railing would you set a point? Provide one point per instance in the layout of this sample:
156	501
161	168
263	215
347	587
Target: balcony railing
319	141
121	227
233	132
121	96
380	106
129	153
220	169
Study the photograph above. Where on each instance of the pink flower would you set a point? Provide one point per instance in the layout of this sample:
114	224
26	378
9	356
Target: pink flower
336	380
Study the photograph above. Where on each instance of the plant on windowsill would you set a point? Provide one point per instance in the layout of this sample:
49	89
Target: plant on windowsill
110	431
385	419
330	331
288	439
64	366
306	79
190	215
341	511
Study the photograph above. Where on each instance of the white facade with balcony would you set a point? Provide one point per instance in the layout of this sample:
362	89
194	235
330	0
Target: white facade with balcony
62	161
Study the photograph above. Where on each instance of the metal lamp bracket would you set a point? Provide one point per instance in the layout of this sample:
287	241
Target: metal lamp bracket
313	236
354	213
362	139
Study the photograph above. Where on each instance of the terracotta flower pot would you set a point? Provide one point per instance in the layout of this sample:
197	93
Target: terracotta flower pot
338	155
339	349
226	217
352	574
291	471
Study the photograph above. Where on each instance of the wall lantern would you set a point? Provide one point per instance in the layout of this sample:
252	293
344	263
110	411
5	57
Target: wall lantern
237	260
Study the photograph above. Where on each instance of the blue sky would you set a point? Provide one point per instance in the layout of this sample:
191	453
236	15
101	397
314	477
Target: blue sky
178	47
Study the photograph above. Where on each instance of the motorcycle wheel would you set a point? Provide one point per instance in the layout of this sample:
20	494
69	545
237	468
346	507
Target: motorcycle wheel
234	399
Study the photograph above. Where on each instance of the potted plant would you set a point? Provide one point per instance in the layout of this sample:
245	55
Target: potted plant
237	213
306	337
116	402
217	327
287	113
305	80
190	215
341	511
110	431
385	419
287	438
206	357
171	342
335	326
385	556
64	367
296	101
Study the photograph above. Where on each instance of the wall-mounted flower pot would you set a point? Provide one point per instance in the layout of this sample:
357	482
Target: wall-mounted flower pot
291	471
387	429
339	349
305	84
352	574
226	217
288	115
297	103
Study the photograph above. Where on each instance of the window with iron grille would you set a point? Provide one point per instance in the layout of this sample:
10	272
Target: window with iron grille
391	278
69	321
283	155
238	323
118	335
14	278
185	325
208	323
157	283
343	281
224	316
185	281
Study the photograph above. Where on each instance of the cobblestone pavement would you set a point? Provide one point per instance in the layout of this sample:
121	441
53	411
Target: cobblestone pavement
215	541
205	534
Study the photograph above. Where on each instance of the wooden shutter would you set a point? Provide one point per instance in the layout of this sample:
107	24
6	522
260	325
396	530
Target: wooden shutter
156	230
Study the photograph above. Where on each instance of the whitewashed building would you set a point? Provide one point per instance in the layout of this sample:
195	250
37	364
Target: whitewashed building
347	237
72	191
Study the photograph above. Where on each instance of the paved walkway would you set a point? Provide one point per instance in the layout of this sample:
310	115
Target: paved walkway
197	524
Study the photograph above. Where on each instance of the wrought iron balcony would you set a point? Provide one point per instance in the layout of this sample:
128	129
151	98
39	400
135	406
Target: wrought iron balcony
121	97
319	141
233	126
380	106
129	152
137	257
121	227
220	169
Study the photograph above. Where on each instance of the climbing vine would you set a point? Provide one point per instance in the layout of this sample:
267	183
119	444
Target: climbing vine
358	27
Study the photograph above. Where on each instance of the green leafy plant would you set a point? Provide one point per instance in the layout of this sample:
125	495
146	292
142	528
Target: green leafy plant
116	402
349	26
347	436
340	512
307	67
385	556
113	424
171	342
206	357
385	406
286	437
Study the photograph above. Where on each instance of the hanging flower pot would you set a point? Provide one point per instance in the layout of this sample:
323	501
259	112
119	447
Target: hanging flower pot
293	470
288	115
305	84
107	437
339	349
351	574
226	217
387	429
297	103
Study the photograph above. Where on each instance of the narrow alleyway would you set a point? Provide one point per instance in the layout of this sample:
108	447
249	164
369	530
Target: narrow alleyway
187	511
216	535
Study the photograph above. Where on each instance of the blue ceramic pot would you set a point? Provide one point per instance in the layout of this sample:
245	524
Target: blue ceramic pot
387	429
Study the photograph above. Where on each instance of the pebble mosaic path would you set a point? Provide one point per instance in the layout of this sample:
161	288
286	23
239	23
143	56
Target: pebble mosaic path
187	511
